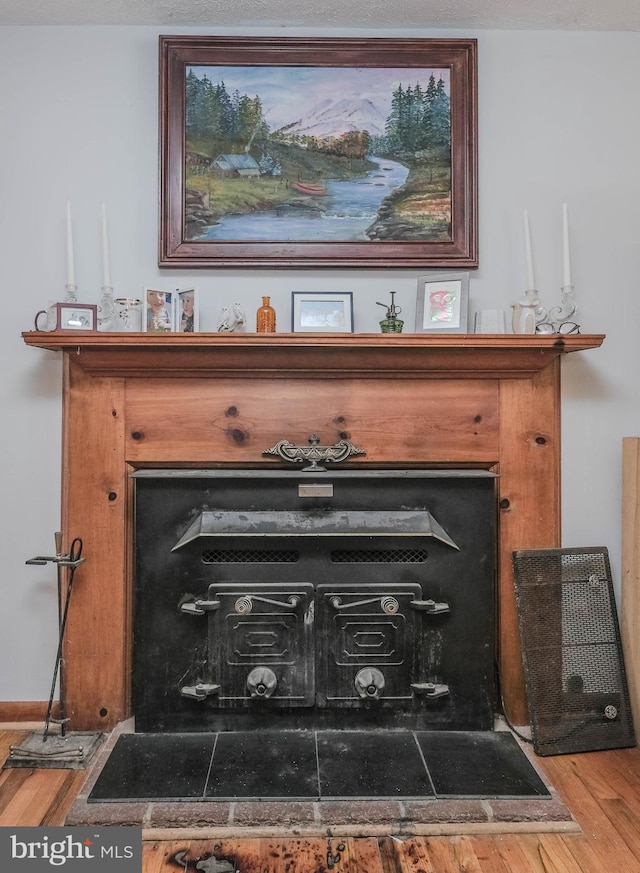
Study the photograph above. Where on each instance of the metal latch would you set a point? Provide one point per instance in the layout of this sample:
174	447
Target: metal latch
199	607
200	691
388	604
430	689
430	606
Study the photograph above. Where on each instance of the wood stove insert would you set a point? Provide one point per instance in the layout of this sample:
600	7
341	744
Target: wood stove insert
261	601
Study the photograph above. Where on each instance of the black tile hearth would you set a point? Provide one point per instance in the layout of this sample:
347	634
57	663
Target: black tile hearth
312	766
371	765
264	765
152	766
473	764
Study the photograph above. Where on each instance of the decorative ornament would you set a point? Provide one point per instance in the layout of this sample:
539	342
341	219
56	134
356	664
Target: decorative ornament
314	453
231	319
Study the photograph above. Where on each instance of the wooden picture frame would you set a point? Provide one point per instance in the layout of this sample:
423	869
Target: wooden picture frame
443	303
251	177
76	316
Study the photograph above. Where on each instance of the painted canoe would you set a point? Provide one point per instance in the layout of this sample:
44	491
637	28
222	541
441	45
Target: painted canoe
310	188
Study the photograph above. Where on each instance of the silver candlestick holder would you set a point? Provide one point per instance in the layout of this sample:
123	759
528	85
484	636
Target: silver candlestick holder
71	295
560	319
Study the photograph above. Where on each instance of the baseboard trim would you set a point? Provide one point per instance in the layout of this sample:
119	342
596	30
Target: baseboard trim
20	711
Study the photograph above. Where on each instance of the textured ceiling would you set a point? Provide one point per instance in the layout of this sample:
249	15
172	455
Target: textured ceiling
497	14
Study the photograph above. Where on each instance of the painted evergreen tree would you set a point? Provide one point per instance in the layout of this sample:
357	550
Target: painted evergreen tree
419	119
441	114
211	111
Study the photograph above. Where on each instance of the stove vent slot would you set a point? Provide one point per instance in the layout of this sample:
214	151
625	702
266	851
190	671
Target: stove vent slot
250	556
379	556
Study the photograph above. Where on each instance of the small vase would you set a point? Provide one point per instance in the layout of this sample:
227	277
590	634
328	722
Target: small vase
266	317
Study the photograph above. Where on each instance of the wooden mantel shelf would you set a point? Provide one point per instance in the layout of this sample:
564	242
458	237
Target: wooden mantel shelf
289	354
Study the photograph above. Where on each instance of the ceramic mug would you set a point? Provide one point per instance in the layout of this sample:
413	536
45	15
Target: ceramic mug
46	319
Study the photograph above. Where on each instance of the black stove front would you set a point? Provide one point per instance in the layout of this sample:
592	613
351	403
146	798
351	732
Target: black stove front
342	599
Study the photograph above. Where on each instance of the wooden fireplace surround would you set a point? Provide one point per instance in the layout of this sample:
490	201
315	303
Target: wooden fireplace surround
216	400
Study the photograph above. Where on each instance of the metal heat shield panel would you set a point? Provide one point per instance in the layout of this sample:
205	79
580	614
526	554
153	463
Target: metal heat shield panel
572	654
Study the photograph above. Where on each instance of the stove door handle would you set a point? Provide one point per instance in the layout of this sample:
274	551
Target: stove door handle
199	607
200	691
430	607
432	690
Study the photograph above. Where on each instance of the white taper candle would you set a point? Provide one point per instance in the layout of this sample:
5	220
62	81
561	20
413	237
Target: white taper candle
531	284
566	252
71	271
106	272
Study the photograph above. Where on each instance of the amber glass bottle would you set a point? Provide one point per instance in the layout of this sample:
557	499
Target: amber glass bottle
266	317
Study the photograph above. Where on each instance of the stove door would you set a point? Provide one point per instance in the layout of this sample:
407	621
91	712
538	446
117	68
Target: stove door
261	644
370	643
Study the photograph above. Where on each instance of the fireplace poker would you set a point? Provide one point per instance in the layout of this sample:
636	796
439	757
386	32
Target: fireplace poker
71	560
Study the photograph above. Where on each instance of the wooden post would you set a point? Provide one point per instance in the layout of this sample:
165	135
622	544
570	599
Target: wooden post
94	508
630	605
529	505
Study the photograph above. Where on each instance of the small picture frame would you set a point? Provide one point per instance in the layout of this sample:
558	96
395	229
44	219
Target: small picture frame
186	318
322	311
443	303
158	310
76	316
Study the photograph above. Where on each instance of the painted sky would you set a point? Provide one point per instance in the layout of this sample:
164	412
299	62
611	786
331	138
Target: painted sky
289	93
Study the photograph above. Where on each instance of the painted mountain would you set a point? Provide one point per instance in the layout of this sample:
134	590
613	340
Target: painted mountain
335	117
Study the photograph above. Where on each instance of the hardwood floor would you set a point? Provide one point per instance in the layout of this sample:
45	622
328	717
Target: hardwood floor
601	788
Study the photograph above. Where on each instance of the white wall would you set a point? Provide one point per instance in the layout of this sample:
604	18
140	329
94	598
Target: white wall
78	114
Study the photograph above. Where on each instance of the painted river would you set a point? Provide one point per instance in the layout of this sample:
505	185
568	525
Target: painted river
348	209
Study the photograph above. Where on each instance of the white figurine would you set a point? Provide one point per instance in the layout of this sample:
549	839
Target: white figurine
239	317
231	320
224	322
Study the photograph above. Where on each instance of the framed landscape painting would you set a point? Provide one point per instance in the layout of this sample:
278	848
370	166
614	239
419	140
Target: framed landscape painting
317	152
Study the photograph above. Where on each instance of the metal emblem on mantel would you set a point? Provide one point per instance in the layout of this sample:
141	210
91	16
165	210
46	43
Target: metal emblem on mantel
314	454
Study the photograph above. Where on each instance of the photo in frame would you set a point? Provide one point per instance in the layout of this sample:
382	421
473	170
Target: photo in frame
322	311
76	316
186	317
158	310
443	303
312	152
